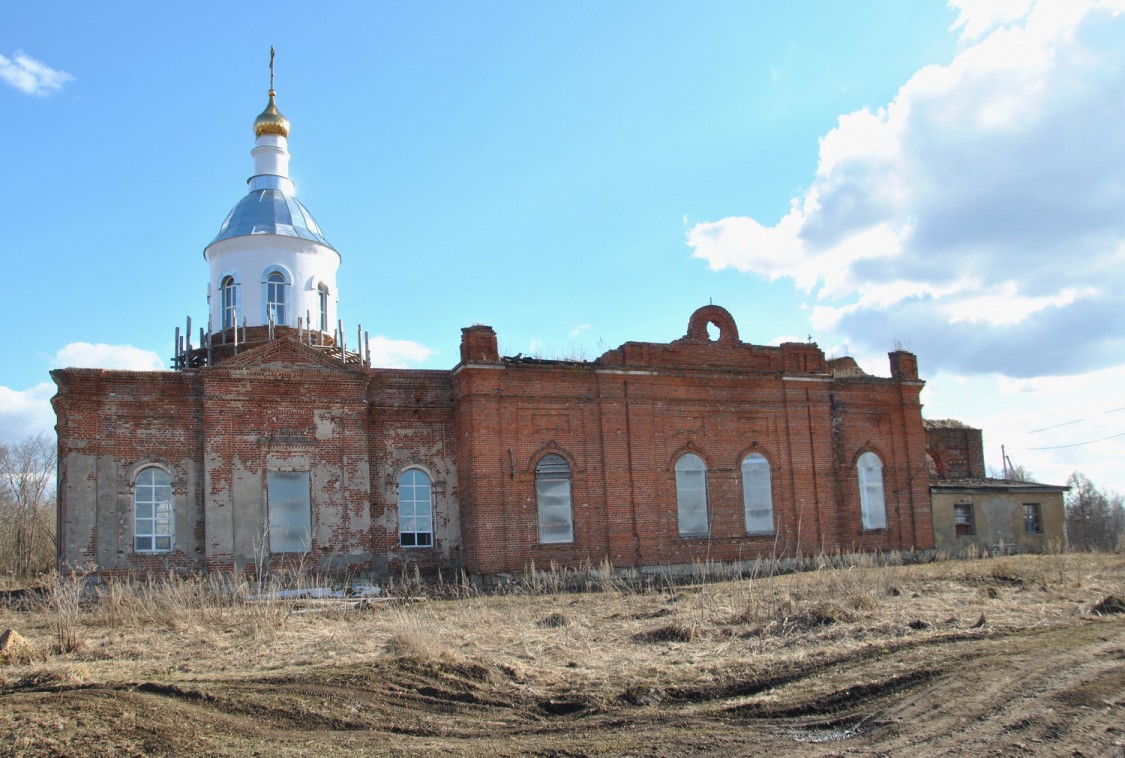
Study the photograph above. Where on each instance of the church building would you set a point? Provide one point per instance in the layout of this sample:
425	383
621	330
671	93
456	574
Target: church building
273	443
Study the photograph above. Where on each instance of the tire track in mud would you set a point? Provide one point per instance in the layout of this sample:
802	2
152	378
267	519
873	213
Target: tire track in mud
976	693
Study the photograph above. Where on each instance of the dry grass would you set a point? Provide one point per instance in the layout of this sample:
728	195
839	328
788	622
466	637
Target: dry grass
615	638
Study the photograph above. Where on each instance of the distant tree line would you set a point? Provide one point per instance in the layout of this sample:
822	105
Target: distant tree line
1095	518
27	506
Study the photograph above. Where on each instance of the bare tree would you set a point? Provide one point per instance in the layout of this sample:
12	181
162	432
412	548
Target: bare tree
1095	519
27	506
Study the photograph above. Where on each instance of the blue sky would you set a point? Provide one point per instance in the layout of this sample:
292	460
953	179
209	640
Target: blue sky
949	178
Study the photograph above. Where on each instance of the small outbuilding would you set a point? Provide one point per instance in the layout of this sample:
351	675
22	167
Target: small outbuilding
971	510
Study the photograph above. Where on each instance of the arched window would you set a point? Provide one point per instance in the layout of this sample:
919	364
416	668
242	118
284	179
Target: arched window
871	503
552	498
322	299
691	495
275	297
152	511
757	494
229	291
415	509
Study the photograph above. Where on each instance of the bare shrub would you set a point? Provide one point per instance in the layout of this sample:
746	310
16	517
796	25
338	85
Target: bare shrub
65	602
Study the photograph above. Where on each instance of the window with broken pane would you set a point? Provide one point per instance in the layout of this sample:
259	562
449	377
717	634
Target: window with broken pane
963	519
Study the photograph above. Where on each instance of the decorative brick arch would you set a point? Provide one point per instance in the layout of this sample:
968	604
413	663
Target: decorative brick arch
712	314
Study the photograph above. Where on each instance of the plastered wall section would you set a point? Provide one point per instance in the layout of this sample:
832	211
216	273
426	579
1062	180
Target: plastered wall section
286	408
998	520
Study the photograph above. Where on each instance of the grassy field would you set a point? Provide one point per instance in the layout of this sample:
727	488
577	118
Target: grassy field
1000	656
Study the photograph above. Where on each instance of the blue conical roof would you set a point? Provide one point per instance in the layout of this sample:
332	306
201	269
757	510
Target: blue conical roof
270	211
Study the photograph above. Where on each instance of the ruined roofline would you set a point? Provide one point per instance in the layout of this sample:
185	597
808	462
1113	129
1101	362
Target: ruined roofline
946	423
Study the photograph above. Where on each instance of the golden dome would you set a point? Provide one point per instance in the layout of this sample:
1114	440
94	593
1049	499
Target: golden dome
270	121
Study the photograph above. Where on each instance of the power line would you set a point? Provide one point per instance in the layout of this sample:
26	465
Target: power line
1079	444
1075	421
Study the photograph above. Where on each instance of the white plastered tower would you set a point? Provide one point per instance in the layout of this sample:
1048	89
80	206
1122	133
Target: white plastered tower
270	262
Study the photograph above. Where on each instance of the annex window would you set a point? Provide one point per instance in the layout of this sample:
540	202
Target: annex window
290	512
276	295
871	503
1032	521
552	499
322	300
963	519
691	495
415	509
757	495
152	511
229	298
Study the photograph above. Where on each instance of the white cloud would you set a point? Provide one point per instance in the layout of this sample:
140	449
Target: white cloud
579	329
388	353
978	215
975	17
31	76
101	355
24	413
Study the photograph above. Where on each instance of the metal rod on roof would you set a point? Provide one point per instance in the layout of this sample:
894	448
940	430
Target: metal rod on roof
176	350
359	341
187	334
340	331
234	321
367	349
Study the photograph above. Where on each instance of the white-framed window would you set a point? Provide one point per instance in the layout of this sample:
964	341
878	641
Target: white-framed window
1032	519
871	503
415	509
290	511
228	290
691	496
276	297
322	301
552	499
757	494
153	520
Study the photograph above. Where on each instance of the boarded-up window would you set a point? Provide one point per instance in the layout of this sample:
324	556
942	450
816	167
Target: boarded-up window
290	513
552	498
871	503
691	496
757	495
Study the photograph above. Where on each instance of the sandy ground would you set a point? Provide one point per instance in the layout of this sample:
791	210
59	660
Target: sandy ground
989	657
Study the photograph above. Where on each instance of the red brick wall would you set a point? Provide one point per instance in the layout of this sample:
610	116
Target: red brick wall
478	431
623	420
957	451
